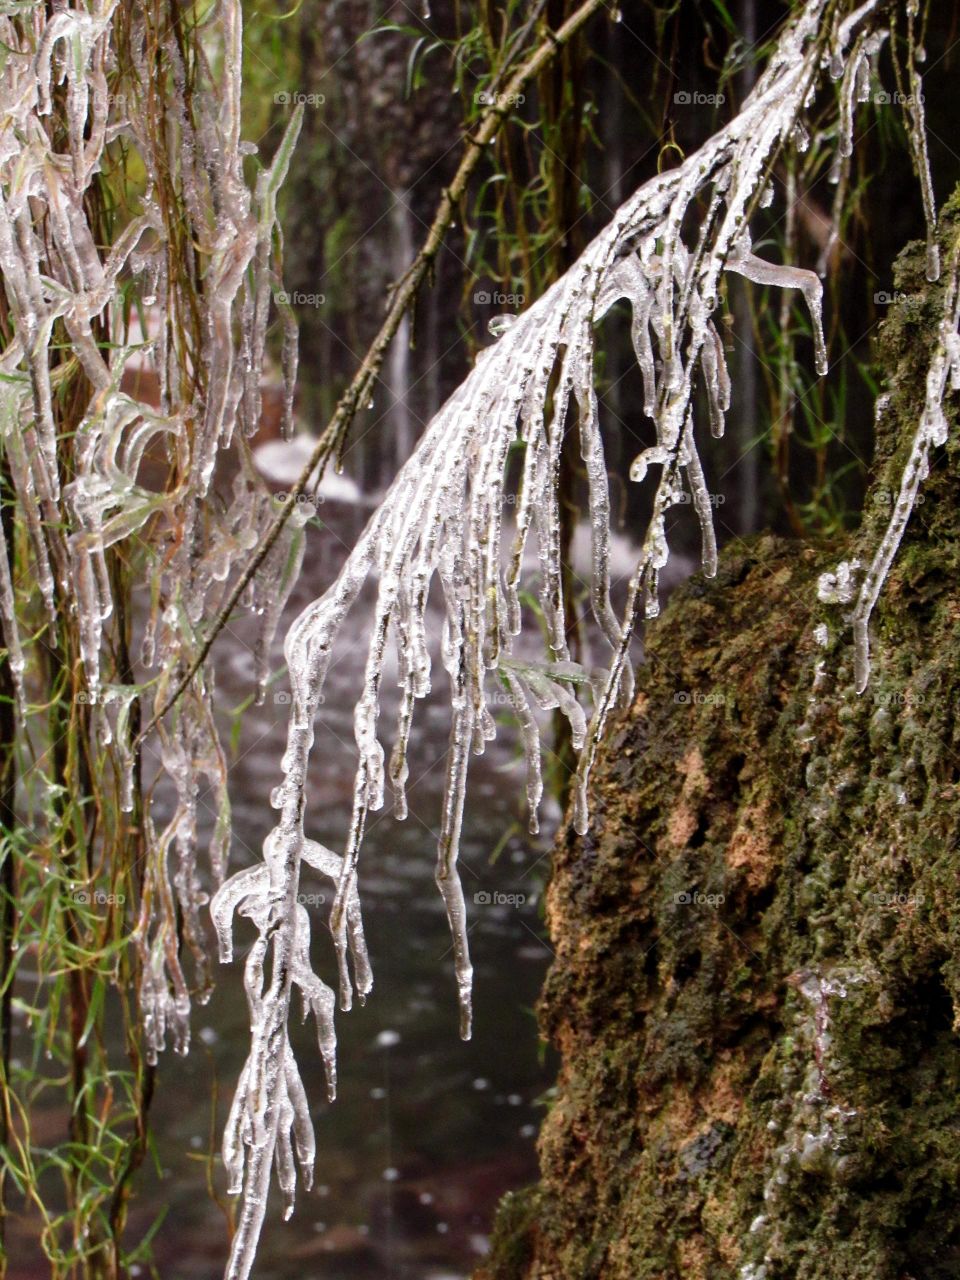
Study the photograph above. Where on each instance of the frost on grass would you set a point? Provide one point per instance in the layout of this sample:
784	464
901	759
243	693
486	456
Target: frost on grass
443	521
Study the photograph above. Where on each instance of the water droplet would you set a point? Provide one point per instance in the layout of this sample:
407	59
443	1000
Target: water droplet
500	324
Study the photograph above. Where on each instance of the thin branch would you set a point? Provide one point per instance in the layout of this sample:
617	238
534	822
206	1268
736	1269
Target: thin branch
402	296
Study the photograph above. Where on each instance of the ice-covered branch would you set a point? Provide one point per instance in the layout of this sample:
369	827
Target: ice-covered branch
443	520
943	374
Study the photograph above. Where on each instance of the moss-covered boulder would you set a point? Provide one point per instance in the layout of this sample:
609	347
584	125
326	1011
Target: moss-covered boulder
756	983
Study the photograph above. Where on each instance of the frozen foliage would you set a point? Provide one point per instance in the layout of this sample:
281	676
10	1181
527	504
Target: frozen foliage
82	91
664	255
838	588
179	283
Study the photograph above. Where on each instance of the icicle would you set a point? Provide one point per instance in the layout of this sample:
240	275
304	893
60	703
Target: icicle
290	356
931	433
399	770
701	503
11	632
319	1000
591	450
531	749
917	130
745	263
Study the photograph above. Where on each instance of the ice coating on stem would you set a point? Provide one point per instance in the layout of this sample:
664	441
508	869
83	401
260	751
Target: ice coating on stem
917	130
181	294
11	631
932	430
744	262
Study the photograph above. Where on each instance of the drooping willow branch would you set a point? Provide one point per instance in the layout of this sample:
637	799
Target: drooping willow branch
664	254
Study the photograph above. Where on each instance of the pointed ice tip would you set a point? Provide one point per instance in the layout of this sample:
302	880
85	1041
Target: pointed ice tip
933	263
861	653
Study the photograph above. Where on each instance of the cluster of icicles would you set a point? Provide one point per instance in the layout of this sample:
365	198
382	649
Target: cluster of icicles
443	519
205	291
71	115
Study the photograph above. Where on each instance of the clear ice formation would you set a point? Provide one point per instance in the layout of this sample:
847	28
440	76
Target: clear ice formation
198	257
442	519
943	375
195	258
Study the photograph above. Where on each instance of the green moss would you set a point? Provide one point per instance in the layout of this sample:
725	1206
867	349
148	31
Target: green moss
515	1235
